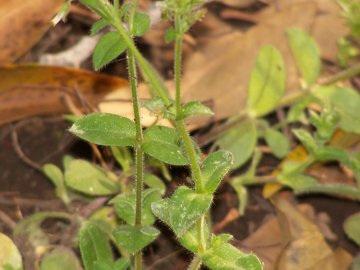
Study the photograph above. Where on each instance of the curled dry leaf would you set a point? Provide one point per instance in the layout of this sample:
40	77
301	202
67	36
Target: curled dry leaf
32	90
22	24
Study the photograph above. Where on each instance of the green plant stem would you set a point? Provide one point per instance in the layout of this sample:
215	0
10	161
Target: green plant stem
195	264
177	69
139	135
142	62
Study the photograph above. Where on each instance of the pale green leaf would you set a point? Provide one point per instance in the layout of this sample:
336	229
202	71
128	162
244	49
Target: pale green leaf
190	239
306	139
277	141
134	239
267	82
88	178
125	205
333	153
155	182
98	26
240	141
57	178
306	54
227	257
214	168
59	259
100	7
141	24
183	209
105	129
164	144
94	246
9	254
194	108
346	102
352	227
110	46
170	35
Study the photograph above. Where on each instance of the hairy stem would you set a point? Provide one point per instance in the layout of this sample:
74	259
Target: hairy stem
139	134
195	264
177	70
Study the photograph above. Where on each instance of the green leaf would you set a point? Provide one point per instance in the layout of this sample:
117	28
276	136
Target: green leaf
346	102
352	227
194	108
227	257
88	178
214	168
183	209
164	144
155	182
170	35
94	246
108	48
134	239
306	139
100	7
190	239
333	153
100	265
240	141
306	54
61	15
98	26
105	129
10	257
121	264
277	141
57	178
298	182
125	206
60	258
141	24
267	82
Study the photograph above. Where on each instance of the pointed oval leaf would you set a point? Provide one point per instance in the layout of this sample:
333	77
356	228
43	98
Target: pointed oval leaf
240	141
94	245
108	48
60	258
277	141
89	179
54	174
105	129
352	227
98	26
100	7
141	24
155	182
267	82
183	209
134	239
306	54
164	144
194	108
214	168
10	257
227	257
306	139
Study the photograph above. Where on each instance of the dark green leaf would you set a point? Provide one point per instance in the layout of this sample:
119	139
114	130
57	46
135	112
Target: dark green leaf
105	129
10	257
240	141
94	246
125	206
134	239
352	227
306	54
108	48
267	82
346	102
194	108
183	209
164	144
141	24
277	141
59	259
90	179
227	257
214	168
98	26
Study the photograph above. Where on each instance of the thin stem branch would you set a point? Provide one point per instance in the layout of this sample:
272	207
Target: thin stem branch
177	69
195	264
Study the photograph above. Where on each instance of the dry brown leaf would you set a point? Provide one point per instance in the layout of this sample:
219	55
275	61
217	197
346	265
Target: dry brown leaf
221	70
32	90
22	24
293	241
